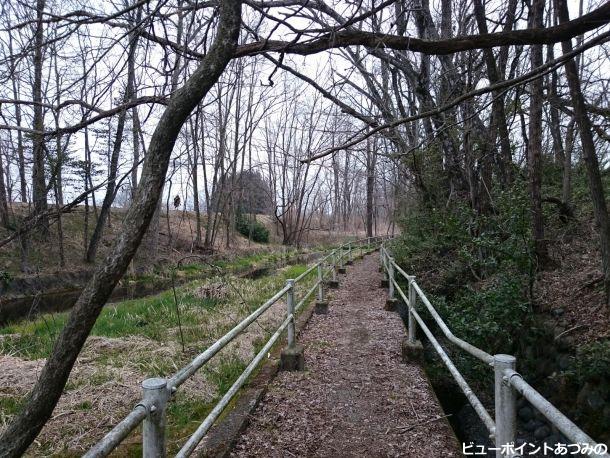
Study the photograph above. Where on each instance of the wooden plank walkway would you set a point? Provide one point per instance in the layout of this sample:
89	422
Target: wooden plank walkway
356	397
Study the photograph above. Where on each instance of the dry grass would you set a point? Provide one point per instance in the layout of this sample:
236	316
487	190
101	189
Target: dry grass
105	382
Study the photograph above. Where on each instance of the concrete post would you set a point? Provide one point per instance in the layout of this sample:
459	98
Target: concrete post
506	404
290	309
335	267
333	282
321	305
384	280
392	302
341	269
412	302
292	357
391	278
155	395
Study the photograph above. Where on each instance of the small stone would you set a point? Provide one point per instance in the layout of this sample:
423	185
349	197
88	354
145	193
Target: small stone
526	413
542	432
557	312
531	425
553	440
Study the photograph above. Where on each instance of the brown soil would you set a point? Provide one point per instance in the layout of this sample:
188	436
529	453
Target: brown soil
573	293
356	397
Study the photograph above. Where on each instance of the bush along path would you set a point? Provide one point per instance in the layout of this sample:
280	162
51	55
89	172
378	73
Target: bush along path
356	397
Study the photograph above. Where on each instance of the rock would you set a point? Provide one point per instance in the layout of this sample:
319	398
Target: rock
532	425
564	361
595	400
526	413
564	344
557	312
591	397
553	439
542	432
519	441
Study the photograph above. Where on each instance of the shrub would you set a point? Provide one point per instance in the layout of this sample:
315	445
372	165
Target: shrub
251	229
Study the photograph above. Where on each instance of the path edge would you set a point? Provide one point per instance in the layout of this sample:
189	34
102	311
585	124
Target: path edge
225	433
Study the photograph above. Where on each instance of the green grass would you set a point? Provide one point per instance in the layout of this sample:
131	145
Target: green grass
154	317
203	321
10	405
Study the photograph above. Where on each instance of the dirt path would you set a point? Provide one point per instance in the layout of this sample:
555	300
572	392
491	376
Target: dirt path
356	397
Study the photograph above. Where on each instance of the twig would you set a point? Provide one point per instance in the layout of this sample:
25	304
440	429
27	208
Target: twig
421	423
574	328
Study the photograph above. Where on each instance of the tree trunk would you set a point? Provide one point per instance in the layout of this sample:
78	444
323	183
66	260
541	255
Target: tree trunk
4	219
534	149
38	172
110	188
596	187
20	155
499	124
370	188
566	186
39	406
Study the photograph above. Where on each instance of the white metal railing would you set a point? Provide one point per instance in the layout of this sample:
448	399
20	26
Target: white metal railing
157	392
507	382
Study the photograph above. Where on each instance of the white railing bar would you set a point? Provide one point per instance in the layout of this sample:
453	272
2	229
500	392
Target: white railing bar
469	348
307	272
181	376
198	435
552	414
117	434
307	296
462	383
139	413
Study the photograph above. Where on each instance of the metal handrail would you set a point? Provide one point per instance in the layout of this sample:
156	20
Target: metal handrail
470	395
157	392
507	381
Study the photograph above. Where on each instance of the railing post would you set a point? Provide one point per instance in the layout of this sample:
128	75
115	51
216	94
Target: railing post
333	282
506	406
335	266
155	395
320	283
391	304
350	258
341	261
412	302
391	278
290	310
292	357
321	305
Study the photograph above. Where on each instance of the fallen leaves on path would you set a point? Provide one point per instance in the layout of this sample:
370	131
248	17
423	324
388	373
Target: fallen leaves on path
355	396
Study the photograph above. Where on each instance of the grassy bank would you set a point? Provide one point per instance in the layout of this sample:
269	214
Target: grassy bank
136	339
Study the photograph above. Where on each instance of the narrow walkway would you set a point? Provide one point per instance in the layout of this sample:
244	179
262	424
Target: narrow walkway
356	397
